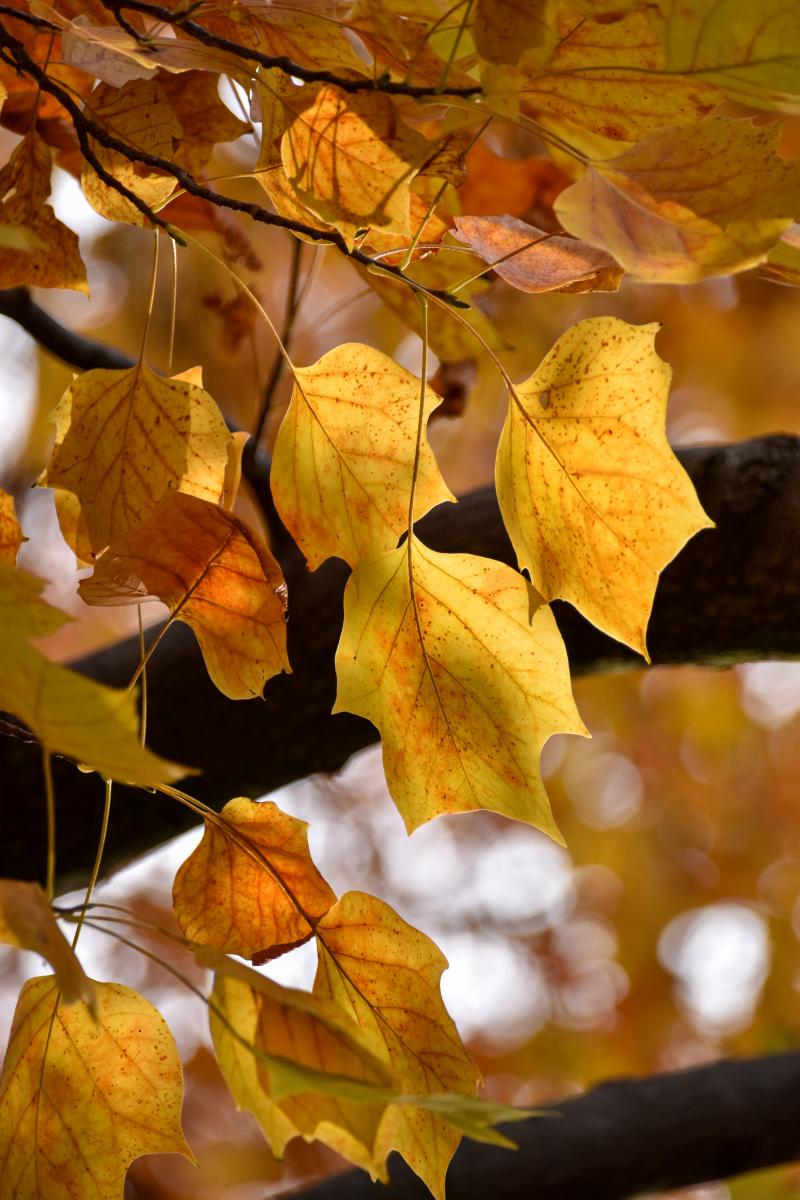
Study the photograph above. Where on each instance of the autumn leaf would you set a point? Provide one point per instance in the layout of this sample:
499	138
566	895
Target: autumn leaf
751	51
27	922
594	500
688	203
350	159
123	438
386	975
36	249
105	51
215	576
505	30
81	1097
139	115
10	533
72	524
783	260
512	186
344	456
460	666
534	261
250	887
96	725
203	117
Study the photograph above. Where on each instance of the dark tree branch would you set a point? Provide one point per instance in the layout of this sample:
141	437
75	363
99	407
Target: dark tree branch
622	1139
72	348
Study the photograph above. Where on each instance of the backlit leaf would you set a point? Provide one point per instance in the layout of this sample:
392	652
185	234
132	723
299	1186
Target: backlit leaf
105	51
538	262
123	438
344	456
81	1097
783	260
350	159
386	974
203	117
139	115
688	203
504	30
251	891
594	500
10	533
461	668
27	922
38	251
72	524
215	576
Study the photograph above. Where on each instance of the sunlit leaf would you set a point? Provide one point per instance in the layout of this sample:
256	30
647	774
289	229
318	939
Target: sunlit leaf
27	922
81	1097
461	668
688	203
505	30
593	498
783	260
10	533
251	889
38	250
123	438
529	259
386	974
139	115
344	456
203	117
105	51
215	576
474	1116
72	524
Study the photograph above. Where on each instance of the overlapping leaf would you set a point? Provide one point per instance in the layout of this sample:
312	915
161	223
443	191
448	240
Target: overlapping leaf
344	456
81	1097
68	713
505	30
10	533
203	118
463	671
124	438
251	888
386	974
36	249
214	575
688	203
27	922
533	261
138	115
593	498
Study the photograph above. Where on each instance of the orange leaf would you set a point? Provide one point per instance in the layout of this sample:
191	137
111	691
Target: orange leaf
124	438
251	891
81	1097
10	533
27	921
212	573
529	259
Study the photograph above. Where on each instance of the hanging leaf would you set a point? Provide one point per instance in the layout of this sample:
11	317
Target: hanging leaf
250	887
124	438
204	119
594	500
688	203
36	249
215	576
105	51
10	533
529	259
344	456
82	1097
386	974
460	666
27	922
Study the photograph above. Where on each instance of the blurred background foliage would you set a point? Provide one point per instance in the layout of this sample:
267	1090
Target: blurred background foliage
668	933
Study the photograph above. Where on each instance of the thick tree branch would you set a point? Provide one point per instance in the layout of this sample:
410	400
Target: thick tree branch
622	1139
72	348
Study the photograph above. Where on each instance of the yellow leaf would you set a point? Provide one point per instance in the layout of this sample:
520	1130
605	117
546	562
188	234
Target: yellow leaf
36	249
688	203
124	438
81	1098
344	455
783	260
251	889
138	114
386	974
505	30
233	467
72	524
750	50
215	576
528	259
27	922
594	500
350	159
10	533
69	714
608	77
203	117
105	51
461	668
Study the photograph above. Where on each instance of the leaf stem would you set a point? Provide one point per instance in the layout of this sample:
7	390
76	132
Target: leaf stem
50	803
98	858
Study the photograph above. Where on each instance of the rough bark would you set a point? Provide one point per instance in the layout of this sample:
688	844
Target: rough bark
621	1139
